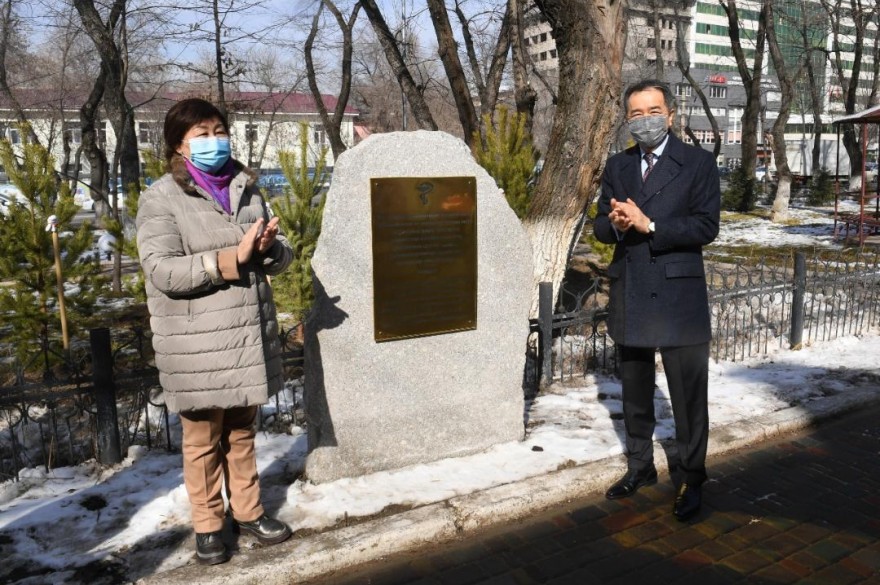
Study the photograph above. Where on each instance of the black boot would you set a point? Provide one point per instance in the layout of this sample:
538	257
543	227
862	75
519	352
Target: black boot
210	549
267	530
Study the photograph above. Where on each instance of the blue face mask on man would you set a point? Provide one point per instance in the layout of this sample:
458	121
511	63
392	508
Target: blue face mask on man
209	153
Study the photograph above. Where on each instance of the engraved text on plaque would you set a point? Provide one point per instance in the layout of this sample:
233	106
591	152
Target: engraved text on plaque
424	256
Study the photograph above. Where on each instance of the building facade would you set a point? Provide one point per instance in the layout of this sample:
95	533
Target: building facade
262	125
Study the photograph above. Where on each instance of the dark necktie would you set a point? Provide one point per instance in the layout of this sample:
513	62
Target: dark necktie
649	158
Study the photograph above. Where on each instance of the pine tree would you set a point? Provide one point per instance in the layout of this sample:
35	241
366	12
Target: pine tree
508	155
300	222
28	302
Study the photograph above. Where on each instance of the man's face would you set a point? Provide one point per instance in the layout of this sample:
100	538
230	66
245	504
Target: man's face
649	102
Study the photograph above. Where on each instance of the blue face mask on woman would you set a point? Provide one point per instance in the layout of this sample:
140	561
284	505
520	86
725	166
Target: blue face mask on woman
209	153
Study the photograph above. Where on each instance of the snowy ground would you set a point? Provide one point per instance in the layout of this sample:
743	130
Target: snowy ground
90	524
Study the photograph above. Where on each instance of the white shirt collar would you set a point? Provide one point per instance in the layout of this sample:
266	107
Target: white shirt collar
657	151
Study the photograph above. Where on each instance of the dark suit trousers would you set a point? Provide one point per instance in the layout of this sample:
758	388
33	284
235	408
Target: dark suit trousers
687	375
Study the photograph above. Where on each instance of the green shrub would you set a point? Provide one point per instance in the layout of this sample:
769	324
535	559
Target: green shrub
740	194
821	188
508	156
604	251
29	297
300	222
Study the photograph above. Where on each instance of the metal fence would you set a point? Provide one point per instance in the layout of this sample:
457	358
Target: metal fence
107	397
778	302
102	398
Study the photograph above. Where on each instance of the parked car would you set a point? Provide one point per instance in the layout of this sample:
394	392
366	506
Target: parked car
12	193
273	184
723	172
870	172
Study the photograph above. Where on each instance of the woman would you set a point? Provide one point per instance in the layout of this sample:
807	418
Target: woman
206	246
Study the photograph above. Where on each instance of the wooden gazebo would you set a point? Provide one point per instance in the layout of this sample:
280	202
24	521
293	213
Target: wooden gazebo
866	222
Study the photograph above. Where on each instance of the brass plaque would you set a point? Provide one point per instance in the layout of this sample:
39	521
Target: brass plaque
424	256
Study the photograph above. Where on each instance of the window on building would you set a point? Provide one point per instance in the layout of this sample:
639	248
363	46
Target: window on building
250	133
717	91
683	90
651	42
543	37
319	135
146	133
10	133
102	135
526	41
73	135
552	53
543	56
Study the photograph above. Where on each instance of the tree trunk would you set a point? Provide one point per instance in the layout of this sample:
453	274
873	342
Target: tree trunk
752	84
590	39
218	58
94	154
816	102
524	95
417	104
849	81
448	49
487	88
113	60
684	67
333	125
658	51
785	74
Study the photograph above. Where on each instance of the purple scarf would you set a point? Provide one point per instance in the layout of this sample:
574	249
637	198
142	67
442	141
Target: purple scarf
217	185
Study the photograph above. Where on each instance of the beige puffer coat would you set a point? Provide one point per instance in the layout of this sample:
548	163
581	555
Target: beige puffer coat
215	332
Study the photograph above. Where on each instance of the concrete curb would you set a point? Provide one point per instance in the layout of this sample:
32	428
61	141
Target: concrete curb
300	560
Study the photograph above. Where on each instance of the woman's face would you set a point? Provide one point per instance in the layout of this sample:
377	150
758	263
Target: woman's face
204	129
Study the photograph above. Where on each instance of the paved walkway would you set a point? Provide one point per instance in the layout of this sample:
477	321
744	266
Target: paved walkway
804	508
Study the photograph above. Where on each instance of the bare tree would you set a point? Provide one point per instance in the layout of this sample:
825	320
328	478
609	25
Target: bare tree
333	124
488	82
415	98
861	13
590	39
524	94
8	22
684	66
658	45
787	75
751	79
448	49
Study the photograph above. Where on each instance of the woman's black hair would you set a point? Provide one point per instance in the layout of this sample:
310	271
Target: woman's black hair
184	115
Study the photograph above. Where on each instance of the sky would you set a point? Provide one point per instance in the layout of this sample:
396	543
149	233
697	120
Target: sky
133	518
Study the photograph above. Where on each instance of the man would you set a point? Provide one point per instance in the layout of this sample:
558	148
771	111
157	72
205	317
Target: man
660	204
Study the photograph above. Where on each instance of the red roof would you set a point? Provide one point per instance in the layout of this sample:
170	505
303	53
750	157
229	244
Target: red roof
251	101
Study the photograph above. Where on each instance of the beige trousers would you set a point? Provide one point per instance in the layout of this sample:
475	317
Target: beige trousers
218	448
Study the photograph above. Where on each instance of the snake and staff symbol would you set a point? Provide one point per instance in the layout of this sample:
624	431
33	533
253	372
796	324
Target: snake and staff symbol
424	189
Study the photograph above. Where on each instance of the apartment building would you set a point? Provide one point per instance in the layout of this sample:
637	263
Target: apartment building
699	29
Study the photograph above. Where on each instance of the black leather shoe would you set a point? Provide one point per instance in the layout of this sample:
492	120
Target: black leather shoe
267	530
631	482
687	502
210	549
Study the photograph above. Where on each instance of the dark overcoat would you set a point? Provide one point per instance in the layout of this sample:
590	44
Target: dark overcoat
658	295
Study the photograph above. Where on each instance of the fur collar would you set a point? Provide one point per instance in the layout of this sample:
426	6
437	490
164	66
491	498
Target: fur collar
181	175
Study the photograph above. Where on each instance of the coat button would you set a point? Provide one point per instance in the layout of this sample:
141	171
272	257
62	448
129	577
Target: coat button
653	295
653	260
